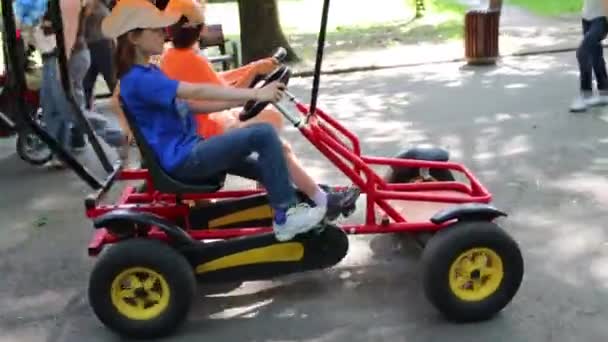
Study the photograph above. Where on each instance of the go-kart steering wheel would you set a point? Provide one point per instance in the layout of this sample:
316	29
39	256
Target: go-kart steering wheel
280	55
282	74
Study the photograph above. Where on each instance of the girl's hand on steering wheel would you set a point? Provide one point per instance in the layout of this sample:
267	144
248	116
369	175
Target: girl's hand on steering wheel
273	92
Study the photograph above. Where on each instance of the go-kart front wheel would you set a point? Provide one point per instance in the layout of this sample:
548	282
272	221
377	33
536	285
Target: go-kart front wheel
142	288
471	270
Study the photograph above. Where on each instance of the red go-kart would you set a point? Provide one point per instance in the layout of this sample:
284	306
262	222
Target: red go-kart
157	240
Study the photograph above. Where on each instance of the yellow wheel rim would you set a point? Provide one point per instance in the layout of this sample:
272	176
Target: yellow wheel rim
140	293
476	274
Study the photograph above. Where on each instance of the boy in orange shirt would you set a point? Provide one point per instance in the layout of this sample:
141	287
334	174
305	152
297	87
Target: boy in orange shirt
183	62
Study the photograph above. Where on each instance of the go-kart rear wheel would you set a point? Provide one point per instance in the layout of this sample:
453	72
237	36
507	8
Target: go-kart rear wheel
471	270
412	175
142	288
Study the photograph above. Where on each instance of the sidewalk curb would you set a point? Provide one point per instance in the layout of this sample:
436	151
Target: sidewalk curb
337	71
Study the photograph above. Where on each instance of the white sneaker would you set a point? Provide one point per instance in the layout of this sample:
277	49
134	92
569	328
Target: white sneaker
54	163
300	219
595	101
583	102
580	104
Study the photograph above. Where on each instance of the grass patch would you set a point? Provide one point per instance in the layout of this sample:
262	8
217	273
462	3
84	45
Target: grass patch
549	7
443	20
387	23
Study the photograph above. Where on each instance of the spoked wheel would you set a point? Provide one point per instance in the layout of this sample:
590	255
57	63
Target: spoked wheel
471	270
142	288
30	147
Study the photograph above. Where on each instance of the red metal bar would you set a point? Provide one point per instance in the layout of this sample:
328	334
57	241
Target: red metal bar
413	163
98	240
168	210
389	210
350	173
476	186
403	227
429	186
133	174
145	197
348	134
370	208
348	155
417	196
332	134
335	124
126	193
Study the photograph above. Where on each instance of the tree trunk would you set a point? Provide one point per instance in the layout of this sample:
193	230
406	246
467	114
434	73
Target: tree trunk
495	5
261	32
419	8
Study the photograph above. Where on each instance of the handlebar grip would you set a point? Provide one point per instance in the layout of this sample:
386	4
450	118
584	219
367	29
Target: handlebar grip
280	54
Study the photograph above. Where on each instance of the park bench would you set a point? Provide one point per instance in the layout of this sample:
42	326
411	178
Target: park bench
213	36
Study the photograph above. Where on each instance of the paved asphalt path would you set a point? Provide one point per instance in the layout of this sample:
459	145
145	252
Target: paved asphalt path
548	168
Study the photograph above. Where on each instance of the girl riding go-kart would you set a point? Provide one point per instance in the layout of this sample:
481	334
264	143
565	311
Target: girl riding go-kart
162	109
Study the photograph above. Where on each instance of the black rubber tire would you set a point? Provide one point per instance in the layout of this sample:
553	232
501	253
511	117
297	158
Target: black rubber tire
330	247
157	256
408	175
443	249
21	146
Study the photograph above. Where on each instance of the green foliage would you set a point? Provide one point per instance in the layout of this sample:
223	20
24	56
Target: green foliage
549	7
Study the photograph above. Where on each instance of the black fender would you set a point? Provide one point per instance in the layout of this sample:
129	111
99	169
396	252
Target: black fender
467	212
124	221
425	153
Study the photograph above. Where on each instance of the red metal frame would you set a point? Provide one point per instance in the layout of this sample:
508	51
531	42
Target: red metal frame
324	133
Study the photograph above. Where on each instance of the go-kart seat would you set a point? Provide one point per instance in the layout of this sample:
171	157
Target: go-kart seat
162	181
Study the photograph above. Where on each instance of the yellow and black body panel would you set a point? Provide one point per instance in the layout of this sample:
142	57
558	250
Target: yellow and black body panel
251	211
262	256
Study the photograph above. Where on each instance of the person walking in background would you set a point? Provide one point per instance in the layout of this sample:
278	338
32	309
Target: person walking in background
58	114
590	56
101	50
78	65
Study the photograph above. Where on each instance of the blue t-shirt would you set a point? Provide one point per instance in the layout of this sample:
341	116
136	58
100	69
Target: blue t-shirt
166	122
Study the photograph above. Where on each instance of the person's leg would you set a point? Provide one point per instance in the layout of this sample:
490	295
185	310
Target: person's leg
585	64
103	58
598	32
230	151
335	201
88	83
89	86
78	66
300	177
57	122
220	153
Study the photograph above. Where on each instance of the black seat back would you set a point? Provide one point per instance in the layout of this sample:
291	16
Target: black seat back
163	181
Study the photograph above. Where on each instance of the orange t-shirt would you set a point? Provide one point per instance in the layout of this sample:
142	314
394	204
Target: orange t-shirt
186	65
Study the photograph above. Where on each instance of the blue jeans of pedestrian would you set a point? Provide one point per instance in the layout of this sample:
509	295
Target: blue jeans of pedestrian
78	65
590	55
231	153
57	112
